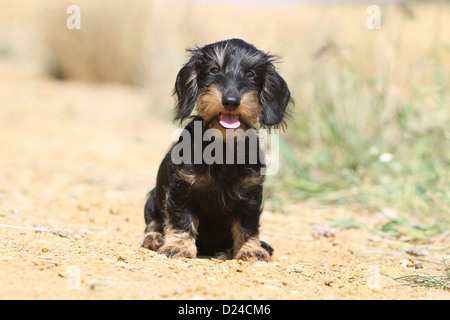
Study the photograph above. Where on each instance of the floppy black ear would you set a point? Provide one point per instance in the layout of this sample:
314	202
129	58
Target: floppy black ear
186	87
273	99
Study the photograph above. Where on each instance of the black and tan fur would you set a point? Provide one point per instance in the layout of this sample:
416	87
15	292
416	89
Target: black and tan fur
201	209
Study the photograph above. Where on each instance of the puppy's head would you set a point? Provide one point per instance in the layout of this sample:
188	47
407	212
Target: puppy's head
234	85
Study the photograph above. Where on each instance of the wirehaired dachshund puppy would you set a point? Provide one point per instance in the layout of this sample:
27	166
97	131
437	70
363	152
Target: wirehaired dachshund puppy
203	206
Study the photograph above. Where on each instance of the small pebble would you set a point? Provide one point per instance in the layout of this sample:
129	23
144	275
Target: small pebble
324	232
114	210
406	263
84	206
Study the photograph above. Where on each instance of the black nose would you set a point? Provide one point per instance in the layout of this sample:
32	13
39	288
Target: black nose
231	102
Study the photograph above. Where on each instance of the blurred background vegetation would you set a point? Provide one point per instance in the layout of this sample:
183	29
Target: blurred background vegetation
370	127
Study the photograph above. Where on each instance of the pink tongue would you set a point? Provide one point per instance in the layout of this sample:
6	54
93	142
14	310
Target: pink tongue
229	121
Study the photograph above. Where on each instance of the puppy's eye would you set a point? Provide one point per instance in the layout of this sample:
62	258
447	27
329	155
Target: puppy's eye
250	74
214	70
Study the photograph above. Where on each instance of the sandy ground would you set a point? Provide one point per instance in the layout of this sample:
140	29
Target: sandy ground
76	162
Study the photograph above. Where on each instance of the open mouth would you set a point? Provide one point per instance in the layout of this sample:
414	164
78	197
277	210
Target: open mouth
229	121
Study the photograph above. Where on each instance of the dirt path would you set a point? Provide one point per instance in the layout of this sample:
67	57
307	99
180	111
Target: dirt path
76	162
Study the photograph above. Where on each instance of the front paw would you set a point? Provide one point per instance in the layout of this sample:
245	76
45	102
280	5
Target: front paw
252	252
152	240
179	249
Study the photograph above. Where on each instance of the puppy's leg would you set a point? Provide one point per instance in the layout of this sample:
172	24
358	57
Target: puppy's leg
245	231
245	227
153	237
179	243
180	225
246	244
